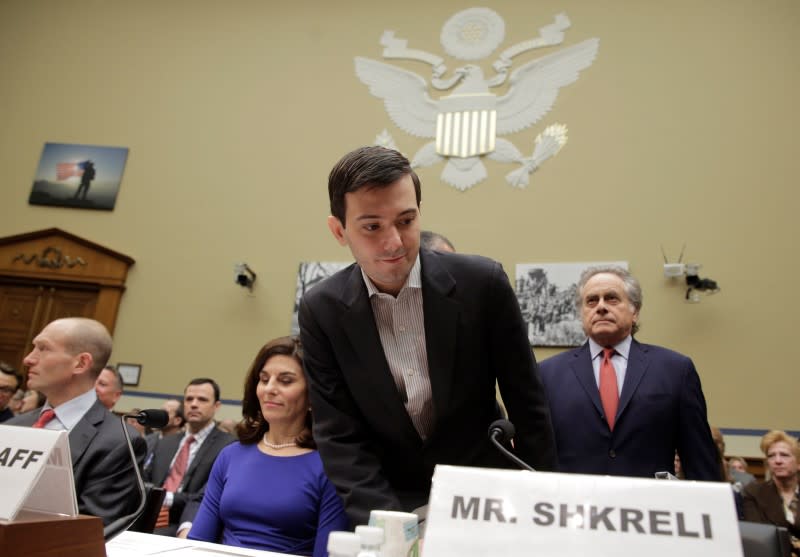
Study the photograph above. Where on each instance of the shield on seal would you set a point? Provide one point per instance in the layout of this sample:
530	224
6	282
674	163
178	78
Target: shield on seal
466	125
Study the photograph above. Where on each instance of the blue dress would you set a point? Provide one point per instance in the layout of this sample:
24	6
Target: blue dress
260	501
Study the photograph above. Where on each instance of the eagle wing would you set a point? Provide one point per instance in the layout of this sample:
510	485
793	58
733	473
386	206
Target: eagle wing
534	86
404	93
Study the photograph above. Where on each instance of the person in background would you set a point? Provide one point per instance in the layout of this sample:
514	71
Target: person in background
623	408
777	501
9	383
181	463
269	490
66	358
33	399
109	386
16	402
133	422
228	426
435	241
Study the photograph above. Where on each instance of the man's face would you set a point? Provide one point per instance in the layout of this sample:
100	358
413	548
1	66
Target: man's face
50	365
8	386
107	389
607	313
382	232
199	406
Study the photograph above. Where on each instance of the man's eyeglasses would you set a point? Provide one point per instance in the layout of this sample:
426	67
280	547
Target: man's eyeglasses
8	390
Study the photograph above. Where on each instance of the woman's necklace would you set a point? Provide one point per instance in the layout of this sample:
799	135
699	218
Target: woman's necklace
277	445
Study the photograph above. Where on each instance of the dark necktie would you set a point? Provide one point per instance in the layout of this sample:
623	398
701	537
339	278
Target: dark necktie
609	395
44	418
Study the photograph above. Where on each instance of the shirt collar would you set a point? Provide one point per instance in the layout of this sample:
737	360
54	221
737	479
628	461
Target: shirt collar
200	436
414	279
70	413
623	348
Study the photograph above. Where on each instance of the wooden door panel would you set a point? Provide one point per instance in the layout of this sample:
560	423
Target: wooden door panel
25	309
21	309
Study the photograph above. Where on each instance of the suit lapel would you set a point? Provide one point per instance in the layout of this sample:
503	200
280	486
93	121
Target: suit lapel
85	430
637	366
208	444
441	323
373	373
584	373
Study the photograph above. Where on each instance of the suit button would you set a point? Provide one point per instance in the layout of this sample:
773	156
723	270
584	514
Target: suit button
612	454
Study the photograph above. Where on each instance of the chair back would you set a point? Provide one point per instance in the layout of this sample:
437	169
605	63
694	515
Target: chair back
146	522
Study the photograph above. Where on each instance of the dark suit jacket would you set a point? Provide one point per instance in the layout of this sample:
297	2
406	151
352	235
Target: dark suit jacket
474	335
761	502
194	481
105	482
661	410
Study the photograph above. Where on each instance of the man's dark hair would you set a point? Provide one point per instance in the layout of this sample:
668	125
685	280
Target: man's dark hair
432	240
117	377
203	381
9	370
371	167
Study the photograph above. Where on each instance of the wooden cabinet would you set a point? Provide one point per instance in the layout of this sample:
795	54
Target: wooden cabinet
50	274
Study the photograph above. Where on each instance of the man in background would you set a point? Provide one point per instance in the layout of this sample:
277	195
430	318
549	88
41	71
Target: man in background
620	407
404	347
109	386
181	463
175	421
435	241
67	356
9	383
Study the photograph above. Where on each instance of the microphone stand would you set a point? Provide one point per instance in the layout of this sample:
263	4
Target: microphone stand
123	523
504	429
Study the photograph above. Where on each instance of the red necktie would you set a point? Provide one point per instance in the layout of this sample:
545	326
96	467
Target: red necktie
174	478
609	395
44	418
178	469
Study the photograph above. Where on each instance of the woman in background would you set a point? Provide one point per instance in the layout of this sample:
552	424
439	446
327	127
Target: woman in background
776	501
269	491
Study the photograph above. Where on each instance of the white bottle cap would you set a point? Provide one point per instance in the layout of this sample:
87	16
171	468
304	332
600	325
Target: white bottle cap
343	543
370	535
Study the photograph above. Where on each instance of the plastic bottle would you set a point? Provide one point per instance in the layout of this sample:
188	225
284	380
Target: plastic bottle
371	540
343	544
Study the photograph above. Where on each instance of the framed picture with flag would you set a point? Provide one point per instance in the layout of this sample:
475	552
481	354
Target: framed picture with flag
83	176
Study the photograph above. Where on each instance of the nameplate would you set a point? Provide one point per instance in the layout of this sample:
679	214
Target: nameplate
485	512
35	472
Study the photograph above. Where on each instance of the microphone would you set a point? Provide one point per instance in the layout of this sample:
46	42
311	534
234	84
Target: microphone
150	418
501	431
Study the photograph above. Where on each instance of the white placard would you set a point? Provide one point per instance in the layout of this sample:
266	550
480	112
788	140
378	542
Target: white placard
35	472
480	512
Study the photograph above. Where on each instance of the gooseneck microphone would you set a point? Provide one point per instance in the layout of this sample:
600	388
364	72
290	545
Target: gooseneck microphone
501	431
149	418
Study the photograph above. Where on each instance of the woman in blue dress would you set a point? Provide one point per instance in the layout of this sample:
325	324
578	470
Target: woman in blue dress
269	490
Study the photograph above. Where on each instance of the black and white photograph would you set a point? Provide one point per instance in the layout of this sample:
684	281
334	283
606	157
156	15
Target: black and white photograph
310	274
546	295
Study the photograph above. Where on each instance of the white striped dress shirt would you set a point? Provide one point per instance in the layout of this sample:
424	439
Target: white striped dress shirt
401	326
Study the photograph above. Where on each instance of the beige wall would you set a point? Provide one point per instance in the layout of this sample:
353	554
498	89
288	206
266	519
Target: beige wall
683	130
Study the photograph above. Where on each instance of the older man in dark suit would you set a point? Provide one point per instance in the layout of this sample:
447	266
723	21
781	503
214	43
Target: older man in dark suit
181	463
404	347
66	358
620	407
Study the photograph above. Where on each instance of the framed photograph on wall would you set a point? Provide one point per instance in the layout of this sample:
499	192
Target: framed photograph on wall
546	294
82	176
130	373
309	274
